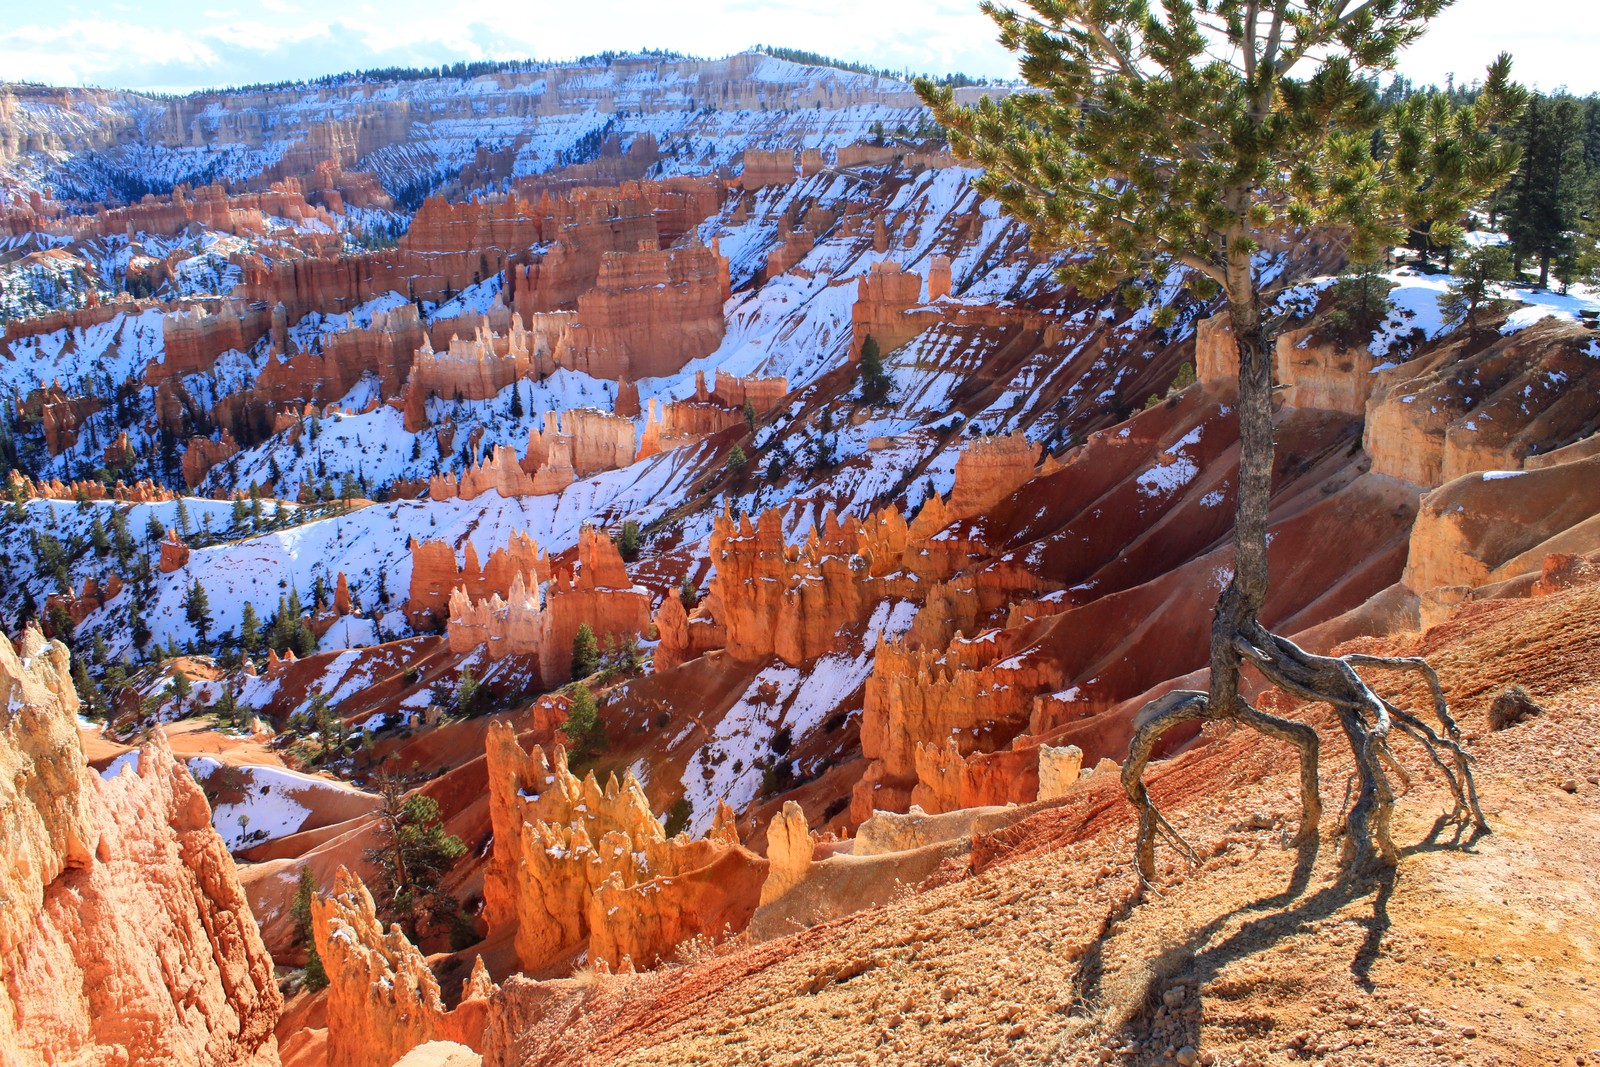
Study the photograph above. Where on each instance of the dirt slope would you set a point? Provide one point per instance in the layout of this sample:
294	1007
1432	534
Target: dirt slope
1035	950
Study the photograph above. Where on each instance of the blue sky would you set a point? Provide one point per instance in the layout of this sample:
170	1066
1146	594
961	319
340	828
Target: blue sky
187	44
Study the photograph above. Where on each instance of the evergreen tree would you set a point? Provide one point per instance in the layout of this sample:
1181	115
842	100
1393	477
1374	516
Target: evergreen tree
466	692
1546	195
1473	285
516	402
241	513
153	530
688	591
413	855
585	652
1188	134
628	542
249	630
300	913
197	609
179	687
736	461
585	733
875	381
182	522
750	415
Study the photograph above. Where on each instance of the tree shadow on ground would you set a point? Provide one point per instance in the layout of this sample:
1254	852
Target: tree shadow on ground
1126	997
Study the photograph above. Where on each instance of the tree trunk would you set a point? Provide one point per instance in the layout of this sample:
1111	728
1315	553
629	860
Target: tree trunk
1544	267
1237	636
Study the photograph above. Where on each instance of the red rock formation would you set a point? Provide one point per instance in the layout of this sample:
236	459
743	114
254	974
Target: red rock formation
768	167
1464	406
203	453
125	937
174	553
649	313
479	367
382	999
990	469
577	867
141	492
601	596
888	308
678	423
59	416
79	605
434	575
926	710
1492	526
574	444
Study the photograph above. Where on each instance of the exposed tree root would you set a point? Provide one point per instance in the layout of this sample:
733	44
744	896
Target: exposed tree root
1366	717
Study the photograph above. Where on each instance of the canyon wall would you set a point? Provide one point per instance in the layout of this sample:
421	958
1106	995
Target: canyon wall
126	937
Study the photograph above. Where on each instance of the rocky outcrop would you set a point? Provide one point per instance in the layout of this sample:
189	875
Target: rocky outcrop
925	711
1491	526
649	313
382	998
125	937
990	469
203	453
1465	406
888	308
601	596
681	422
78	605
434	574
477	368
141	492
580	867
174	553
573	444
1314	368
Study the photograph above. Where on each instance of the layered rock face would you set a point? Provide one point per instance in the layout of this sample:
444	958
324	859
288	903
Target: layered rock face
1314	369
601	596
888	307
382	998
479	367
126	938
434	574
989	470
573	444
203	454
1465	406
709	411
649	313
1493	526
577	866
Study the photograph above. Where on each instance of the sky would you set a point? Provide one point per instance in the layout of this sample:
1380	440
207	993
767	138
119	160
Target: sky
179	45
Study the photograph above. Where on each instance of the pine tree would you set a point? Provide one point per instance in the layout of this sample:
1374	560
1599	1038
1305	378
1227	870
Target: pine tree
628	542
688	591
197	609
466	692
300	913
241	512
182	521
413	855
585	732
736	461
1180	134
249	630
585	652
875	381
750	415
1546	195
1473	285
179	686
